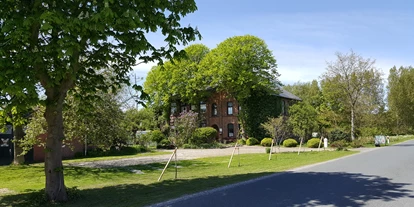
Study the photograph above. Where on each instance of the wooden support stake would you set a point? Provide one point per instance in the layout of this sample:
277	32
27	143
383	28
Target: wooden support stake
238	154
320	142
176	169
232	154
300	146
162	173
271	148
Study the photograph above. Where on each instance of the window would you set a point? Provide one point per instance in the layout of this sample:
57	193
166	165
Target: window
203	107
183	108
230	129
239	109
173	108
203	123
283	107
193	107
214	111
229	108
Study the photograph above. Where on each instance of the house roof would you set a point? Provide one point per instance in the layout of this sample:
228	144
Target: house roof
286	94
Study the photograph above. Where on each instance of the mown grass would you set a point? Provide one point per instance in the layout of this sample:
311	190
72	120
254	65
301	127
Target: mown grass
123	187
117	157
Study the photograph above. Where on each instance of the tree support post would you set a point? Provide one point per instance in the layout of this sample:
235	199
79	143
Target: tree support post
162	173
271	149
320	142
300	146
232	154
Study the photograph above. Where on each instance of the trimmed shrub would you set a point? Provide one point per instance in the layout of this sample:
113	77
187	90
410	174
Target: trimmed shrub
267	150
266	142
252	141
203	135
290	143
241	142
340	144
313	143
156	136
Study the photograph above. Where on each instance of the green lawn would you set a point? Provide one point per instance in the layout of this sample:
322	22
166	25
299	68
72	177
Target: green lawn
90	159
122	187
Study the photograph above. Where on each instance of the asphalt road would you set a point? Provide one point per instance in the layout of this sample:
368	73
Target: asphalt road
380	177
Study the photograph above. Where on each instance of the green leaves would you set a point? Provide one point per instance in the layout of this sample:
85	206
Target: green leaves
401	98
303	118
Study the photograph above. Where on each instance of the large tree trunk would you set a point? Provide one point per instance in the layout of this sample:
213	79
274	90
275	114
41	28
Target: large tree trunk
18	135
55	186
352	124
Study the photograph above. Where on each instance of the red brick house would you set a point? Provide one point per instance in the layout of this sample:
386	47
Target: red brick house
221	112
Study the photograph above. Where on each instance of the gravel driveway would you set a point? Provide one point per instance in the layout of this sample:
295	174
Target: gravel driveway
182	154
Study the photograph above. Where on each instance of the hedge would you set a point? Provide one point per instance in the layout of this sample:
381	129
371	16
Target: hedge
252	141
266	142
290	143
313	143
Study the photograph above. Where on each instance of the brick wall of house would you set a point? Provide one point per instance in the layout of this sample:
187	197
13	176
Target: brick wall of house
67	152
223	119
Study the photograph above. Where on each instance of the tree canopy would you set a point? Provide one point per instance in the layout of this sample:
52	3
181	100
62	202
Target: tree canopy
352	82
401	98
60	45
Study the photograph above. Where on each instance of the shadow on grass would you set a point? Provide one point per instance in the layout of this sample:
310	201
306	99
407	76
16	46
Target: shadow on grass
288	189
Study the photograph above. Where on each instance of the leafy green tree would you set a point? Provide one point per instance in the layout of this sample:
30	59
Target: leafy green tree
184	127
309	92
401	98
139	120
278	128
60	45
241	64
303	119
180	79
352	82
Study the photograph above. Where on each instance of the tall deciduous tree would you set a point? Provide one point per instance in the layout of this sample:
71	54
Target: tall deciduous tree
181	78
401	97
241	64
60	45
352	81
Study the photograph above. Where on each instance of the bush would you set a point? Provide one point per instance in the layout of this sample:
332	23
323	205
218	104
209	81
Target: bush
339	144
290	143
266	142
241	142
338	134
313	143
203	135
252	141
165	144
213	145
156	136
267	150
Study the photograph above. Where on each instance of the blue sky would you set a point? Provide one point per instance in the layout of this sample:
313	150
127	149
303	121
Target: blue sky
305	34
